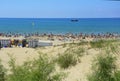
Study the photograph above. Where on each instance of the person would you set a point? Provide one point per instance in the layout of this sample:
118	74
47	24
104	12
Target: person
0	45
24	43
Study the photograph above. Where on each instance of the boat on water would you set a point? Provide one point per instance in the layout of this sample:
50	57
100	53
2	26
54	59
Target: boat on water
74	20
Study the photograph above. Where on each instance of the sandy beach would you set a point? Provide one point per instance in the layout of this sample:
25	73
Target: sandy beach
23	54
78	72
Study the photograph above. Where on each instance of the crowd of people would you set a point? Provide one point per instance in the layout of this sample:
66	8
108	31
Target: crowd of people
11	43
72	36
30	38
108	34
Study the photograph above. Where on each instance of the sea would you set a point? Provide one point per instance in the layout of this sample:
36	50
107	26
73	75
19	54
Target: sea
60	25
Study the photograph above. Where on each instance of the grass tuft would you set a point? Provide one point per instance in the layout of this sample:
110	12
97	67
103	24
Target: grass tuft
2	72
41	69
66	60
104	69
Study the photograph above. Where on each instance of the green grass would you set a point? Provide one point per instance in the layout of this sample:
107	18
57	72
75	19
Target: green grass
98	44
76	50
41	69
64	45
83	43
102	43
117	76
79	51
114	48
71	56
66	60
104	69
2	72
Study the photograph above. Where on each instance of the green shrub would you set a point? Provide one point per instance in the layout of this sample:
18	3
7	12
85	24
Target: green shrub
104	69
19	73
64	45
97	44
71	56
66	60
82	43
102	43
79	51
114	48
2	72
41	69
117	76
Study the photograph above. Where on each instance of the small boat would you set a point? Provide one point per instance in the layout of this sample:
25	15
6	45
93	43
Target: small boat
74	20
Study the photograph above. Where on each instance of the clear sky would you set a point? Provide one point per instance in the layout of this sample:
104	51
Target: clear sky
59	8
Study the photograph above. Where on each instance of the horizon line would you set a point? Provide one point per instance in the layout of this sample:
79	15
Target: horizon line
57	17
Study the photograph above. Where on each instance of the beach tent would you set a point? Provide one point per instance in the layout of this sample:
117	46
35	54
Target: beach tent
32	43
44	43
5	42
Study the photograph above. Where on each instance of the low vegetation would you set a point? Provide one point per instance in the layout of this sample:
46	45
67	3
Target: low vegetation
66	60
83	43
79	51
71	56
2	72
101	43
41	69
98	44
104	69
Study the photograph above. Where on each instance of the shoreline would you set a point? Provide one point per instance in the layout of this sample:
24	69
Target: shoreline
50	35
38	40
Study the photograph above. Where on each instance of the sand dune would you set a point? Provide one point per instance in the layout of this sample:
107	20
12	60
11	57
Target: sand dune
77	73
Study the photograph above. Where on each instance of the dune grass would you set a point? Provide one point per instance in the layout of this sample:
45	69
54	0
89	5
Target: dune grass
66	60
71	56
98	44
101	43
79	51
2	72
41	69
104	69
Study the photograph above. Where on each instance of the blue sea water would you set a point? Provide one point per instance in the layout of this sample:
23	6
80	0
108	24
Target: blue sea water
60	25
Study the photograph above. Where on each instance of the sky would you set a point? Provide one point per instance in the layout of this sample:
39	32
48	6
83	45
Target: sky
59	9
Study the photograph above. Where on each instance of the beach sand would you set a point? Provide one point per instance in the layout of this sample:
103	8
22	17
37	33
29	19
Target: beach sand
23	54
78	72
